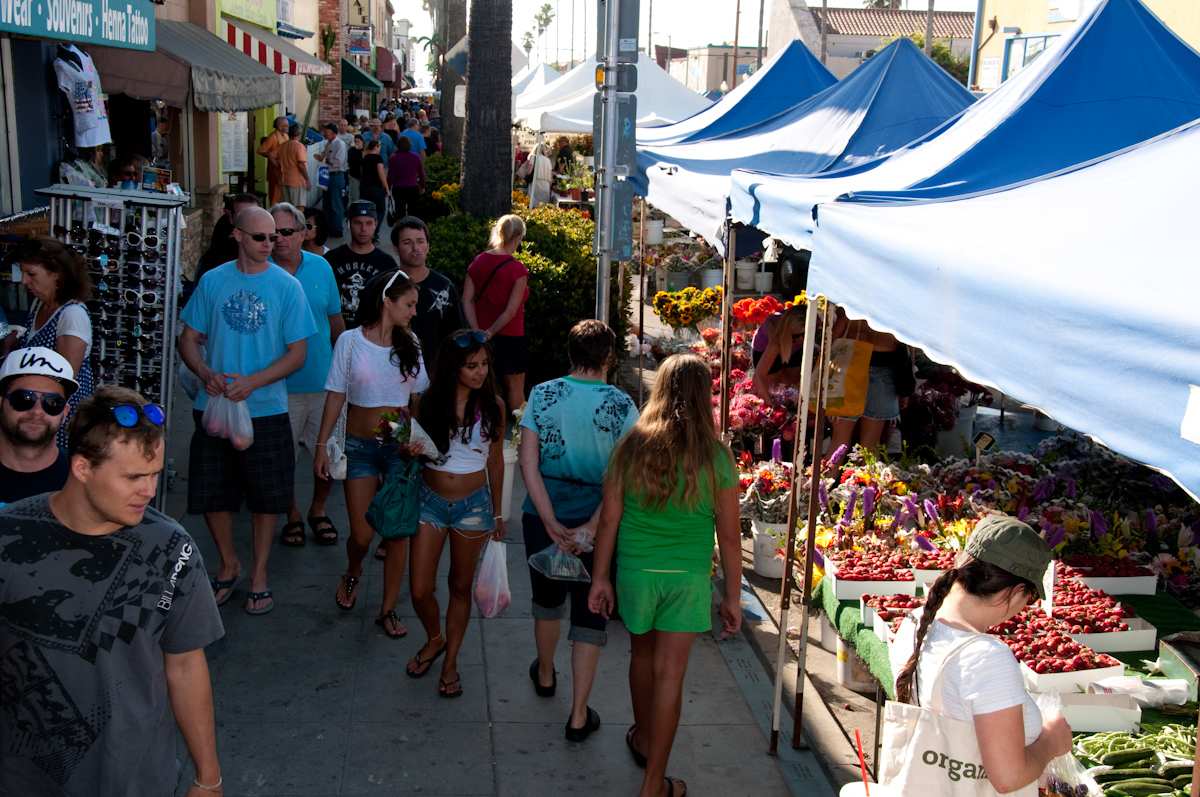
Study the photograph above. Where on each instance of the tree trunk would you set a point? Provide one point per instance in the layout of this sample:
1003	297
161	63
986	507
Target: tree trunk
452	27
487	151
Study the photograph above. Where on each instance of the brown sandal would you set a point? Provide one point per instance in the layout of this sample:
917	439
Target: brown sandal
452	688
423	665
671	787
389	621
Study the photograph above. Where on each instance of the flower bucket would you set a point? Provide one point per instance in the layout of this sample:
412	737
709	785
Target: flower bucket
744	274
654	232
767	537
764	281
958	441
677	280
851	672
711	278
510	475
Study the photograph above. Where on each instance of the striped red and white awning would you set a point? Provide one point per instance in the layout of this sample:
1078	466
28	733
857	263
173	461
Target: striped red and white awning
272	51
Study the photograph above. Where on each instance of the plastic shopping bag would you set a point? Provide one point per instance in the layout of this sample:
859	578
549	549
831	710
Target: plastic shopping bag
1064	776
491	585
553	562
230	420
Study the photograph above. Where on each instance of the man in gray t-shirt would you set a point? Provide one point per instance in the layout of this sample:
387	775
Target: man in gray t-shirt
104	615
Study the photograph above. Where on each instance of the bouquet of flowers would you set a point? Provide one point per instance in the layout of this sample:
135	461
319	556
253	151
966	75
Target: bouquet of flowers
765	491
687	307
400	427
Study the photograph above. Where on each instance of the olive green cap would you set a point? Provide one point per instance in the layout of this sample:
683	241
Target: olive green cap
1011	545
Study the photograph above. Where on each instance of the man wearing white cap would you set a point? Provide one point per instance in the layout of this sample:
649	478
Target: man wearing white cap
35	384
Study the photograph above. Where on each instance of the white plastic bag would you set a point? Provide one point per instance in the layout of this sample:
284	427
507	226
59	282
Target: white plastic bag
1148	693
230	420
1064	776
491	586
553	562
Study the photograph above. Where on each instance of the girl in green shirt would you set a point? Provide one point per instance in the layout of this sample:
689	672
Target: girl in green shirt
670	483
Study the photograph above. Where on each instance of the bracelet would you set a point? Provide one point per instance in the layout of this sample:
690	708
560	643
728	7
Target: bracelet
213	788
497	517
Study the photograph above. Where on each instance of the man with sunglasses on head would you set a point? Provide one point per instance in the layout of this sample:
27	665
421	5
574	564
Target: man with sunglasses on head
106	617
306	387
35	384
357	262
256	322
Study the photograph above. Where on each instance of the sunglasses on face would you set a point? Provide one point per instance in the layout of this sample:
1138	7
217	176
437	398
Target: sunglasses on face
310	226
286	232
259	237
24	400
463	339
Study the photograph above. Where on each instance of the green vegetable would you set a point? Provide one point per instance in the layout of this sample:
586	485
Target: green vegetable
1144	786
1183	781
1121	757
1114	775
1173	769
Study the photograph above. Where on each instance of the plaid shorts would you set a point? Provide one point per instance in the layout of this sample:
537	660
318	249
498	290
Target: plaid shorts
220	476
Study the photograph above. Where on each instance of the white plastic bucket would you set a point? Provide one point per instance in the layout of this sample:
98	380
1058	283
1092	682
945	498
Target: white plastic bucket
510	475
766	563
763	281
654	231
851	672
711	278
744	271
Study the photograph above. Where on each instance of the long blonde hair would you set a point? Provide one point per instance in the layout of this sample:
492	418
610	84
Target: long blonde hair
674	436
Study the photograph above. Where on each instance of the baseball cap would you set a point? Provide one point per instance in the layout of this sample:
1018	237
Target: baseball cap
358	209
39	361
1011	545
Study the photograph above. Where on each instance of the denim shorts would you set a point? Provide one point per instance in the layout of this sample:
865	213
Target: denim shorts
366	457
473	513
882	402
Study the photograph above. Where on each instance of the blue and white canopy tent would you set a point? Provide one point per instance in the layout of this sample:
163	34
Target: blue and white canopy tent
896	96
788	78
532	78
1089	273
1119	78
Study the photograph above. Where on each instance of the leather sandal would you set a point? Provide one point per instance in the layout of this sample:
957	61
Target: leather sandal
293	534
349	586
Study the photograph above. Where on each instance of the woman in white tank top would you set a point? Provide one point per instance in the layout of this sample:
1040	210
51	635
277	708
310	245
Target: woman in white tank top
461	494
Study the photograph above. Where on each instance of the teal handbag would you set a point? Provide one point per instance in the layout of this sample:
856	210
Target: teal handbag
395	511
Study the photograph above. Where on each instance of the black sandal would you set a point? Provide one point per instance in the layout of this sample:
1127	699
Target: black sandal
638	757
671	787
324	532
382	622
293	534
450	689
349	585
423	665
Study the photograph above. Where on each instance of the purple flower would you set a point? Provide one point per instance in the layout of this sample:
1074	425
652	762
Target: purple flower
897	521
911	504
848	515
1043	489
1023	513
931	510
1151	521
823	496
818	559
869	501
1054	535
839	454
1099	525
924	544
1071	488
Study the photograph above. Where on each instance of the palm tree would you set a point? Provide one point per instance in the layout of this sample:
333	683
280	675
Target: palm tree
527	42
452	26
542	19
487	150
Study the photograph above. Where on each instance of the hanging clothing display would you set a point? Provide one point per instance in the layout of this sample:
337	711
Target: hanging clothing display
79	80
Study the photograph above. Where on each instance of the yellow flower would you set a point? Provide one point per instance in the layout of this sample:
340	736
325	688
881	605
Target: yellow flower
900	488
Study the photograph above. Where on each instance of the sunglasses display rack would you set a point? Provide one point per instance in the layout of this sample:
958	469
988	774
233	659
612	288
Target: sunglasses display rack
131	241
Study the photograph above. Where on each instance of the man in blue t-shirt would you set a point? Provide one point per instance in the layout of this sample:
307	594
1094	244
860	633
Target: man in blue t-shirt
306	387
255	321
571	427
413	134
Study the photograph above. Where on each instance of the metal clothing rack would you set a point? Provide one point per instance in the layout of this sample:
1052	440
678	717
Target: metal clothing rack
132	242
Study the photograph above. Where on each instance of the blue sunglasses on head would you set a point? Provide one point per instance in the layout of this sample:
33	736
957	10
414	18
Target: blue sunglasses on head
463	339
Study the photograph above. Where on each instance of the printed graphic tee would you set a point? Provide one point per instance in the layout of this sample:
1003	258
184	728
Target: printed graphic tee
352	272
578	424
250	320
439	312
84	624
82	87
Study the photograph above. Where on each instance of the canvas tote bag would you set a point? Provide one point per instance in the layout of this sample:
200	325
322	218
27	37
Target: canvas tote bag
925	752
849	375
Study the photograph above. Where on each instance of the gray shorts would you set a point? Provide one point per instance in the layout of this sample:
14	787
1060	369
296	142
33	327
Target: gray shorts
297	195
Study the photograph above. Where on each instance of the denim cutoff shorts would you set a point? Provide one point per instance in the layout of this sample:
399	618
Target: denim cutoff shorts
367	457
882	402
472	513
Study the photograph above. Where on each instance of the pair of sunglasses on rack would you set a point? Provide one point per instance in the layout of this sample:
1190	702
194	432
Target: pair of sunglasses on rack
24	400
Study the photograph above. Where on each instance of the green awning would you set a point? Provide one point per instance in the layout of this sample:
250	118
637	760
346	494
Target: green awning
354	79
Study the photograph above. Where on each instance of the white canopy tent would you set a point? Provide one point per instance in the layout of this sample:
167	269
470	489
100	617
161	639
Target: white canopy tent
565	105
1088	273
532	78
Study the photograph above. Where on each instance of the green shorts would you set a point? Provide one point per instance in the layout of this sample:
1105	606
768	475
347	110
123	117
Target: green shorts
652	601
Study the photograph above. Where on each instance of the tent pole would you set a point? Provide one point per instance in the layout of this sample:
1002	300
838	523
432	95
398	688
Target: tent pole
727	323
810	339
810	546
641	301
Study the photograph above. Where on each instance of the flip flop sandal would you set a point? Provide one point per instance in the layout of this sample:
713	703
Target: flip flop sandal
254	597
450	689
380	551
671	787
349	586
324	532
639	758
423	665
382	621
219	584
293	534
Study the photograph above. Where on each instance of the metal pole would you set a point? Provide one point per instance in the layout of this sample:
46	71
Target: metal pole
758	58
929	30
806	359
727	323
642	300
824	27
973	69
810	545
650	33
606	174
574	5
737	26
557	28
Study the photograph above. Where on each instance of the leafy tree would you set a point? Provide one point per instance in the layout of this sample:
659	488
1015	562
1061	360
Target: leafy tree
527	42
943	56
542	19
885	4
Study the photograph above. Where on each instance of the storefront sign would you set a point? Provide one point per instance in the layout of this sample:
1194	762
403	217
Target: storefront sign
358	12
358	40
234	147
128	24
260	12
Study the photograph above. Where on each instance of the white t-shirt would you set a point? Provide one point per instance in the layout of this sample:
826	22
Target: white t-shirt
73	320
365	372
983	678
82	87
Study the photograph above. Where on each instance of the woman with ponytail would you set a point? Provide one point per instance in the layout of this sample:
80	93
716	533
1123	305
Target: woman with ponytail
670	483
999	573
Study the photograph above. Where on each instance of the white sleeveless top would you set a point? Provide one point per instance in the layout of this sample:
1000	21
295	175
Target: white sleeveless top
468	457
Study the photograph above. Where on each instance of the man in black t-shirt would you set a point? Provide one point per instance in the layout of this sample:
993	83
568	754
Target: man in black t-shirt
355	263
34	386
106	613
439	310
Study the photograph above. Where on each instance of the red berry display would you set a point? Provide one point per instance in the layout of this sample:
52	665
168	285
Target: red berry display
873	566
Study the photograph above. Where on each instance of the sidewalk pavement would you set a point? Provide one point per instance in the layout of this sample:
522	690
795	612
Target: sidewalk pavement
311	700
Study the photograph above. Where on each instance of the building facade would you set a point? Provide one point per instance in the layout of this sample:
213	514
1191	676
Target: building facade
853	34
705	69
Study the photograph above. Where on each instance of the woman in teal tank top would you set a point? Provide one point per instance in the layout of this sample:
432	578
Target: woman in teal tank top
670	484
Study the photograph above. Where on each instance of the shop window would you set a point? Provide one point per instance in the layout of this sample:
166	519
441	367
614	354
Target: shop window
1021	51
